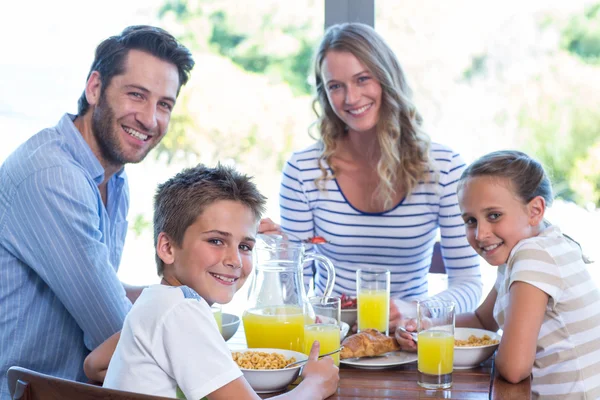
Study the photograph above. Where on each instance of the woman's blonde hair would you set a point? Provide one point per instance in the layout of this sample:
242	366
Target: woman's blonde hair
404	159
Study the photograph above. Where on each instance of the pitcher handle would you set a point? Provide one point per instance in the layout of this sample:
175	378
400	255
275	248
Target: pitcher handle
328	267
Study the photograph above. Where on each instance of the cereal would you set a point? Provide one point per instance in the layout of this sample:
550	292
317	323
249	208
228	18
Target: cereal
261	360
475	341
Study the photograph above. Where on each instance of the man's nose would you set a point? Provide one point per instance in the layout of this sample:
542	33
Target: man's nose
147	117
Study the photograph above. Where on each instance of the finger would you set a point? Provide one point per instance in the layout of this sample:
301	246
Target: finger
314	351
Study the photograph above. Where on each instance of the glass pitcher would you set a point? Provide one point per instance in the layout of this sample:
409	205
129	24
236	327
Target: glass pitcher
278	307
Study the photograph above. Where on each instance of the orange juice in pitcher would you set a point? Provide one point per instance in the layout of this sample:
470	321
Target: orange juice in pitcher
278	307
280	327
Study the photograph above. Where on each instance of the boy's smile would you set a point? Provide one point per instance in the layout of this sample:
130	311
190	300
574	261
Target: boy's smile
215	257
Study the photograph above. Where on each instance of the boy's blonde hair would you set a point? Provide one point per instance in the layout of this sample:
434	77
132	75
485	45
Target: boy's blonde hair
180	200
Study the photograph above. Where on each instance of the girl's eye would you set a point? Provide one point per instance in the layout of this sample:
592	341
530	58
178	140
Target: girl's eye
470	221
494	216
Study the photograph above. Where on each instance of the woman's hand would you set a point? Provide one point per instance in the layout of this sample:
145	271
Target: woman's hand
404	339
399	311
268	227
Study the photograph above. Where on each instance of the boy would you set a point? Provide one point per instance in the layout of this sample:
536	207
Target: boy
205	222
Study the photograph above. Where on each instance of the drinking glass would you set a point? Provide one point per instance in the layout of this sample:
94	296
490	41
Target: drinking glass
326	328
373	298
435	350
218	314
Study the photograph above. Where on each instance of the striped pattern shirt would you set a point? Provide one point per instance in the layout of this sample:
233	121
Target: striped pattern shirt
567	362
59	252
401	239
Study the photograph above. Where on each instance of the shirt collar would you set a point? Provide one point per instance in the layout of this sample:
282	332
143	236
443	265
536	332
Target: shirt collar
81	151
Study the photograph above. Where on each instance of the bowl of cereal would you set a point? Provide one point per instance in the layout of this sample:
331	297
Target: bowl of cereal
264	369
473	346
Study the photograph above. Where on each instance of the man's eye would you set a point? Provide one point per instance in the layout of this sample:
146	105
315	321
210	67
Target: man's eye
136	94
166	105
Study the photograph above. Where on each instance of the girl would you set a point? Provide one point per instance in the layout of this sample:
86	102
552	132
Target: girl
544	299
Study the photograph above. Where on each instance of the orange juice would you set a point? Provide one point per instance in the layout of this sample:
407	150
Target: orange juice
435	352
328	336
279	327
218	314
373	310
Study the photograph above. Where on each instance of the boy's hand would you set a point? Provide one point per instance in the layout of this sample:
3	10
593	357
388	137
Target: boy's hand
322	374
268	227
404	339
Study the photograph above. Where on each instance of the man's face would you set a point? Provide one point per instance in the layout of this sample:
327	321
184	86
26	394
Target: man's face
215	257
132	114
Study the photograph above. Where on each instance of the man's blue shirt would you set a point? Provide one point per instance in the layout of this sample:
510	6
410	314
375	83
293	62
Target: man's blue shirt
60	249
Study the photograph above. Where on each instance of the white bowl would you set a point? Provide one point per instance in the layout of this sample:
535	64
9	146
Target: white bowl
471	357
349	316
230	325
273	380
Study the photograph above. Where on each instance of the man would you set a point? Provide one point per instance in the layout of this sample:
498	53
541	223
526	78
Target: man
63	205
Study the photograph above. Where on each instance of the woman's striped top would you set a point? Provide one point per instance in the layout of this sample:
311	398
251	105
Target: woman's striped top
400	239
567	359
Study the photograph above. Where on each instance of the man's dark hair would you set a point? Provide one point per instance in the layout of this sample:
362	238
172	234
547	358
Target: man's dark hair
180	200
112	53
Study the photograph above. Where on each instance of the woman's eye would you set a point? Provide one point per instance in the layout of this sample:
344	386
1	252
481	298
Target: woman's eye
363	79
333	86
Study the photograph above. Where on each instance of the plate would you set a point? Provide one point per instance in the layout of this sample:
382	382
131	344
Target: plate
387	360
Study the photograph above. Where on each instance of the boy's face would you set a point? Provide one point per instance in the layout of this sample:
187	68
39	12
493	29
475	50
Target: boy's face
215	257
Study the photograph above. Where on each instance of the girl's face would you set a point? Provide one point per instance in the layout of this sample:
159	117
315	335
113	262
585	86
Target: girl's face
495	218
353	92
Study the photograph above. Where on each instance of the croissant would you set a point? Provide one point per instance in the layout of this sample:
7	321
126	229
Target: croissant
368	343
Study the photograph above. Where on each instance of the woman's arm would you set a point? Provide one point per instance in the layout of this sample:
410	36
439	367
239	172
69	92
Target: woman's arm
461	261
96	363
523	320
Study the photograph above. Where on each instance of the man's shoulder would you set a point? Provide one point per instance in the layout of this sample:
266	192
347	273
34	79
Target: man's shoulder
44	150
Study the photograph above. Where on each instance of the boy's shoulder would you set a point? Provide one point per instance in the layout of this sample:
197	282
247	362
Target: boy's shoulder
160	299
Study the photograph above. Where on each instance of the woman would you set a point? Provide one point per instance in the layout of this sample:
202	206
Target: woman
374	186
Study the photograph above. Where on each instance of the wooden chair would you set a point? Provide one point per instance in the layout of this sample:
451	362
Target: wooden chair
437	262
25	384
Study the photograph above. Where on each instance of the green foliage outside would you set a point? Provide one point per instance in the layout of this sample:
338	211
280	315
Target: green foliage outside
582	35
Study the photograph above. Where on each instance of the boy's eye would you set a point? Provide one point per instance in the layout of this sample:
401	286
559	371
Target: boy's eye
245	247
215	241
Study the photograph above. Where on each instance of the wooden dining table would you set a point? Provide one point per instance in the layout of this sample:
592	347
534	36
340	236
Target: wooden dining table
400	382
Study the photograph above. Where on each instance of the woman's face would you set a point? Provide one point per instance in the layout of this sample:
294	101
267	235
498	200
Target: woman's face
353	92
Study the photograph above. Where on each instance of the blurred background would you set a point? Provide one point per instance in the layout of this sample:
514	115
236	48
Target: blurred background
486	75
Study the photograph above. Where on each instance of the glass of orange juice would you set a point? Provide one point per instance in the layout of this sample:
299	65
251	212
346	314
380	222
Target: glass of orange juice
218	314
435	350
373	299
326	327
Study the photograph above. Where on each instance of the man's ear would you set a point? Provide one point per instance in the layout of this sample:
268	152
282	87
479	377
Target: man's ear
536	209
164	248
93	88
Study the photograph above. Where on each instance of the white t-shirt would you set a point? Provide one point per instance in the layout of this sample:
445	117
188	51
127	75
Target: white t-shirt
169	339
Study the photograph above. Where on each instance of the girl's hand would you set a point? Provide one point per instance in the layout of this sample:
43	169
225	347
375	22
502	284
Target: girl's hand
268	227
404	339
321	374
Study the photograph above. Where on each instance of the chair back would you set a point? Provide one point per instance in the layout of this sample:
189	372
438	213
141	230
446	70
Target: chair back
25	384
437	261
